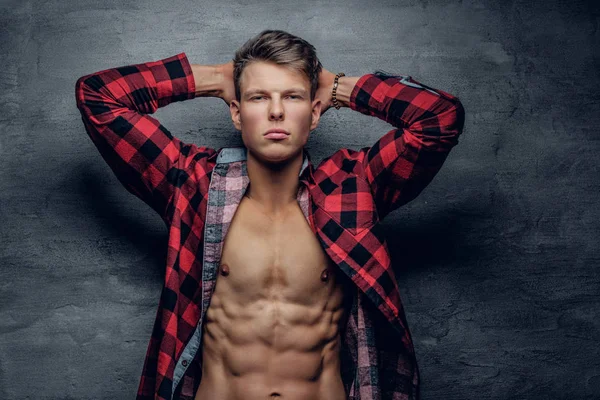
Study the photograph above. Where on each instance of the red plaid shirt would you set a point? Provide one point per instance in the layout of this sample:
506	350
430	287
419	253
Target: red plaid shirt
196	191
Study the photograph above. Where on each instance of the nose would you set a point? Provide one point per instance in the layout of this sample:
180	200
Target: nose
276	110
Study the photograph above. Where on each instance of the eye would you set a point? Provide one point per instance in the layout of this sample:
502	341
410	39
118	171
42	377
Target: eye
294	96
256	97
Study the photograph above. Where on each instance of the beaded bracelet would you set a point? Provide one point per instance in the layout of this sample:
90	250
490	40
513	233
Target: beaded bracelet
335	85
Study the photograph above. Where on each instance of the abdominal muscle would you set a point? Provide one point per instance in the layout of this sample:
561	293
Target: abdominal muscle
272	329
253	352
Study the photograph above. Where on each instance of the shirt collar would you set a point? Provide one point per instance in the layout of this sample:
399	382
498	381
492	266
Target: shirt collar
233	154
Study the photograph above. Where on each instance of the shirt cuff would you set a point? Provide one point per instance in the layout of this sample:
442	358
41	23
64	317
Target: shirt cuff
368	95
174	79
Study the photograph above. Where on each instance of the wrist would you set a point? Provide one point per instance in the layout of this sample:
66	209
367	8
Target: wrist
334	102
344	90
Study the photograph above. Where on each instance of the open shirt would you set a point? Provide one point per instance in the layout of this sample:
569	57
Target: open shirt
196	191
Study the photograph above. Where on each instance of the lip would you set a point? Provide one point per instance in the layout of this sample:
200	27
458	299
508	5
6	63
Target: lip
276	133
277	130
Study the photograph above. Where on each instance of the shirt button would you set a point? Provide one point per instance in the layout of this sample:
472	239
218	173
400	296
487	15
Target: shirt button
184	363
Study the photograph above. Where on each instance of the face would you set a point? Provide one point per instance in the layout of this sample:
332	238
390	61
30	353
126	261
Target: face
274	97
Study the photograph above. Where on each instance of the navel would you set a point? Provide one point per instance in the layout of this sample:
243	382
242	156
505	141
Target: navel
224	269
325	275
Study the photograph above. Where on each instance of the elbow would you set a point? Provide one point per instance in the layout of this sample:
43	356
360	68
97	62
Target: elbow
88	87
458	119
446	118
441	131
452	123
89	95
80	91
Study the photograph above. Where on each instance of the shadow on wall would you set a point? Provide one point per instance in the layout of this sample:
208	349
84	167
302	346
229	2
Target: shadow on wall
122	222
432	241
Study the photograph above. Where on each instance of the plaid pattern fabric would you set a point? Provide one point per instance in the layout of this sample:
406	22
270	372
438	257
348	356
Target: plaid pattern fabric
196	191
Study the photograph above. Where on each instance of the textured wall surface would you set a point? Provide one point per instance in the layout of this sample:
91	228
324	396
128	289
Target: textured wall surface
497	259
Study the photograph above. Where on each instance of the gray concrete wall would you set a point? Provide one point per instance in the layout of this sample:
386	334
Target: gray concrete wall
497	258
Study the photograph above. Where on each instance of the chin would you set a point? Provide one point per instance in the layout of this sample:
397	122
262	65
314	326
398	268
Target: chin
275	154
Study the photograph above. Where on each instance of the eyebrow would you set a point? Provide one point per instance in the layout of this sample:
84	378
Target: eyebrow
262	91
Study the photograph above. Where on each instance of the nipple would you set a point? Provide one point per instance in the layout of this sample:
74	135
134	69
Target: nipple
224	270
325	275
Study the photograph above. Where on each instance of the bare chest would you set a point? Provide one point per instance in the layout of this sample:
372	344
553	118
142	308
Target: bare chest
266	258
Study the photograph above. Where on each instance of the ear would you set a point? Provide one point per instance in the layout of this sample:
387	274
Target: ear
315	113
234	110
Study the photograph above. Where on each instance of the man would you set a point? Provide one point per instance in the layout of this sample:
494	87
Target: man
278	281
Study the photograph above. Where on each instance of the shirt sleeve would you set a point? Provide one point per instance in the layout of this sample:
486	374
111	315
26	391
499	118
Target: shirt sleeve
145	157
427	125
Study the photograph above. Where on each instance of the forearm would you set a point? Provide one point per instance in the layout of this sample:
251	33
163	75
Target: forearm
408	104
208	80
139	87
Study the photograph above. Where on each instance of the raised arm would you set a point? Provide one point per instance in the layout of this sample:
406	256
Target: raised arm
405	160
142	153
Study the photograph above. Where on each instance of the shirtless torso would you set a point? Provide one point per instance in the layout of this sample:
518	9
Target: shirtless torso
272	330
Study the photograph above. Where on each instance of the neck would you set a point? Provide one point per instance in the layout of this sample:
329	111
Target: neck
274	186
